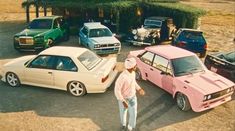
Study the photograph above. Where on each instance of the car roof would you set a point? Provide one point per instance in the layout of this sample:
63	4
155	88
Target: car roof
158	18
169	51
64	51
48	17
94	25
188	29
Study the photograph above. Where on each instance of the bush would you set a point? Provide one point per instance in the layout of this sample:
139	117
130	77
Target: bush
183	15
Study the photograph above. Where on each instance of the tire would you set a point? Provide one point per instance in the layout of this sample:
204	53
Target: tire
76	88
203	54
138	75
12	79
183	102
49	43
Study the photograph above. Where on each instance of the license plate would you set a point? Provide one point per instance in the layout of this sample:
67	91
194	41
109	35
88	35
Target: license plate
213	69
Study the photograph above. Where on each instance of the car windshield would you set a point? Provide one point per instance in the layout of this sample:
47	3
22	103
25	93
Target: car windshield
186	65
89	59
101	32
40	24
152	23
193	35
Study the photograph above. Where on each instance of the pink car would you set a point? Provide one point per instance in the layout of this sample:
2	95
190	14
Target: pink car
182	74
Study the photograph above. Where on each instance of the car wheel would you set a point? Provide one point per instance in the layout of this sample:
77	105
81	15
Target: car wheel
138	75
182	102
203	54
49	43
76	88
12	79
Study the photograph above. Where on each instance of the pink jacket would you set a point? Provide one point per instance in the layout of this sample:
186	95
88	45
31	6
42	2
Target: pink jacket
126	85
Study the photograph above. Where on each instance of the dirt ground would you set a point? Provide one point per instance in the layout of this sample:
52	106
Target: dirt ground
37	109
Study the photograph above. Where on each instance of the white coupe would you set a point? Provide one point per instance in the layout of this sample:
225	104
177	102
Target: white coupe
76	70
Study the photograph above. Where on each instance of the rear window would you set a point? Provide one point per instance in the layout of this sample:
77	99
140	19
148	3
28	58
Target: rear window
230	57
89	59
192	35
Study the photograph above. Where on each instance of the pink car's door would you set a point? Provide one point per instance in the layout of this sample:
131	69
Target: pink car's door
146	65
167	83
162	73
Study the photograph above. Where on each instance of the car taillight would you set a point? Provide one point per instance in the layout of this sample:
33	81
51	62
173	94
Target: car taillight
181	44
104	79
205	46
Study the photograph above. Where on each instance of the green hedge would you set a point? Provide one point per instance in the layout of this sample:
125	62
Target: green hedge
183	15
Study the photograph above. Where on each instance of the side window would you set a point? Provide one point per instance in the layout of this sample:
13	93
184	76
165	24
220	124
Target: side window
162	64
147	58
85	31
43	62
56	24
61	21
65	64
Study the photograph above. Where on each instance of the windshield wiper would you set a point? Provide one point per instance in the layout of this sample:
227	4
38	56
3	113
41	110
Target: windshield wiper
197	70
185	72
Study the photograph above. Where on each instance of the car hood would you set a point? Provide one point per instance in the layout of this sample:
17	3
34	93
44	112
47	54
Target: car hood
18	62
207	82
145	31
105	40
32	32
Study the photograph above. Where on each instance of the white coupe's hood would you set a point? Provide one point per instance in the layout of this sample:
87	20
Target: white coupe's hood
105	40
18	62
207	82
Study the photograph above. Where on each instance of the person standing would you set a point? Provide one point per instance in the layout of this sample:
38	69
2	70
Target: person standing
125	92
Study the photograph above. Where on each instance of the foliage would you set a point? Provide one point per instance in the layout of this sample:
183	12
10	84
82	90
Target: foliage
183	15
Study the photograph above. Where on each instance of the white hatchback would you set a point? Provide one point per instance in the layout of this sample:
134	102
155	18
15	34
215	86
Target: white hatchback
76	70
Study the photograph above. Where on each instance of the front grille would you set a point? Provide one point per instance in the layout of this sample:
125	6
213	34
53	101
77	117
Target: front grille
26	40
218	94
106	45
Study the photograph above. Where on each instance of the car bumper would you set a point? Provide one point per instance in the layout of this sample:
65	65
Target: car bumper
138	43
26	47
103	51
213	103
100	88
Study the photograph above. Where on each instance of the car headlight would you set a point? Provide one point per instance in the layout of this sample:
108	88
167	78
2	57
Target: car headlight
230	89
97	46
135	37
39	38
16	38
207	97
134	31
117	44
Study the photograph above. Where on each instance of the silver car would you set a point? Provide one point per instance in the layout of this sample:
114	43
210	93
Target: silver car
99	38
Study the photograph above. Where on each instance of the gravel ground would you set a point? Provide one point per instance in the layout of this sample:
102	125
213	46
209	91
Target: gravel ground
37	109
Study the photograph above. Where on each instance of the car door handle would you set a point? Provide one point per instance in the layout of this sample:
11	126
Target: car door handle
151	69
49	72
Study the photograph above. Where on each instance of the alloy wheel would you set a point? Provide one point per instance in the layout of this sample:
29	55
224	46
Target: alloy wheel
12	79
76	88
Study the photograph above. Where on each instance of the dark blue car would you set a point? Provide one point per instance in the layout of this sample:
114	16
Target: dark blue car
190	39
